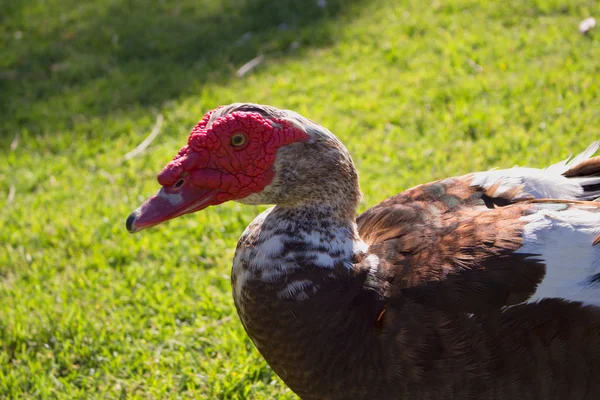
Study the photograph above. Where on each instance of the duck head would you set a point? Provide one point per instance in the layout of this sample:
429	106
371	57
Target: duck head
253	154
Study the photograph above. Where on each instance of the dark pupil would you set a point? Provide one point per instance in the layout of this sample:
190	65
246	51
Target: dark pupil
179	183
238	139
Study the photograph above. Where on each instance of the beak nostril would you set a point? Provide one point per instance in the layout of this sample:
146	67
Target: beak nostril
178	183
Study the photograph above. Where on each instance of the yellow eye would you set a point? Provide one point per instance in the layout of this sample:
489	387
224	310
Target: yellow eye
238	139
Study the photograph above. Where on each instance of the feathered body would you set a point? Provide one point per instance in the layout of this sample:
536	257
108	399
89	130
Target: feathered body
484	286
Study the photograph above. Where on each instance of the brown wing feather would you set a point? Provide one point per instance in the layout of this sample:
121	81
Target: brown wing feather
442	245
589	167
441	196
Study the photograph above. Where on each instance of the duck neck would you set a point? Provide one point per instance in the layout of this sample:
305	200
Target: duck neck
307	242
324	188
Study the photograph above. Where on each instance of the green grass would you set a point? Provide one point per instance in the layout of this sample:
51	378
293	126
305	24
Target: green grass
417	90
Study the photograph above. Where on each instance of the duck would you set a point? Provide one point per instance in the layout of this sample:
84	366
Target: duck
480	286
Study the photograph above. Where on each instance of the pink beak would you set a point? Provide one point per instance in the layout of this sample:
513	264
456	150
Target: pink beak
168	203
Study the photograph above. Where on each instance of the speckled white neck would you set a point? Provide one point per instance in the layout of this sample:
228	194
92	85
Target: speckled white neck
281	241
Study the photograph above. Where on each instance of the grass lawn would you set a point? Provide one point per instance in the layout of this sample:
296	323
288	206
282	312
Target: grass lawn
418	90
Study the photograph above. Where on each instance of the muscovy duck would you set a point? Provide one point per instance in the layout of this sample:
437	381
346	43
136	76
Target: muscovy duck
483	286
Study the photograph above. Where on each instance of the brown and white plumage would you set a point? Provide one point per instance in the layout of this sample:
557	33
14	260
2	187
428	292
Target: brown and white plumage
466	288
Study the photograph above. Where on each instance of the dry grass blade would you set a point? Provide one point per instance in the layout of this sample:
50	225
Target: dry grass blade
142	146
11	194
250	65
15	143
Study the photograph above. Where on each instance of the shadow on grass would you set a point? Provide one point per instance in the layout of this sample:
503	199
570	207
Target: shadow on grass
95	58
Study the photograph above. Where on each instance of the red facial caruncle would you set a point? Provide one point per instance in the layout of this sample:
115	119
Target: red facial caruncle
230	159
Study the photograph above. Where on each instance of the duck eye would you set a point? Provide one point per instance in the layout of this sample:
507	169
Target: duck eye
178	183
238	139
